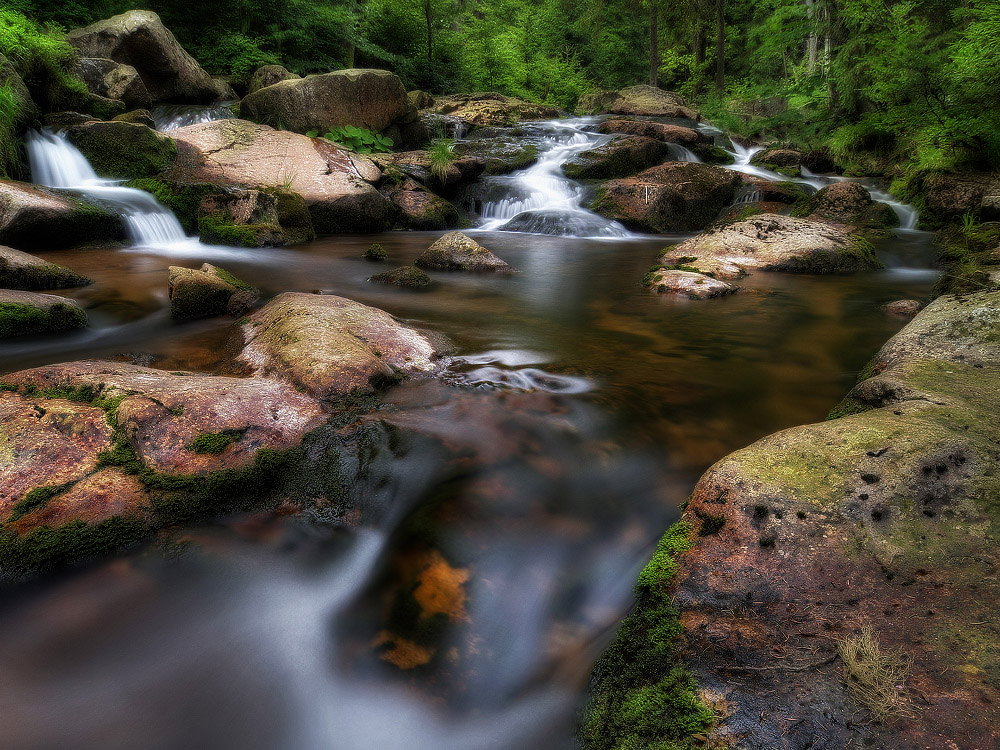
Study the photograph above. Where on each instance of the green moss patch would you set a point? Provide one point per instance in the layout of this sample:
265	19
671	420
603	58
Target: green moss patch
214	443
181	198
968	255
37	498
124	150
23	320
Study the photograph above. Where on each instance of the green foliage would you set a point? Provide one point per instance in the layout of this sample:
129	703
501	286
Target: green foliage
213	443
42	58
360	140
10	112
442	154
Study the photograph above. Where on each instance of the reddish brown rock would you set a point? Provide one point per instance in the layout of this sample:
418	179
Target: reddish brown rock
95	498
903	308
688	284
658	130
848	203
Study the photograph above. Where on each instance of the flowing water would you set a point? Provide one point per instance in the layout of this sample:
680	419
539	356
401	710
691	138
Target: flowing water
526	488
173	116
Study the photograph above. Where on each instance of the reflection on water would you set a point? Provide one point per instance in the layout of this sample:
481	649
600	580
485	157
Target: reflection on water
501	524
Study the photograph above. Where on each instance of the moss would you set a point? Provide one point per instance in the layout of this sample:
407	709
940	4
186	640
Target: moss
181	198
22	320
643	696
37	498
846	408
712	154
34	278
214	443
224	275
711	523
408	277
968	255
293	216
522	159
124	150
220	229
375	253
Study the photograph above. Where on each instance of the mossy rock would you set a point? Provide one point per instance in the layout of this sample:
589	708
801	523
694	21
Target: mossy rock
407	277
710	154
20	270
180	197
26	313
206	292
376	253
123	150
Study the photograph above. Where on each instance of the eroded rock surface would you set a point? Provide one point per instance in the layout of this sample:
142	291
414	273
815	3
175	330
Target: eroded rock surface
20	270
36	218
27	313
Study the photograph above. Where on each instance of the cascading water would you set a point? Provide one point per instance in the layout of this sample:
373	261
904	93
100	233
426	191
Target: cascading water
173	116
541	199
56	163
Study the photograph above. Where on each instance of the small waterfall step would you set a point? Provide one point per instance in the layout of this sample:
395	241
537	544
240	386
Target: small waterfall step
56	163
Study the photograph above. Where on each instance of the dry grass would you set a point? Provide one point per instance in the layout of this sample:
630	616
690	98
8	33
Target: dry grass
876	677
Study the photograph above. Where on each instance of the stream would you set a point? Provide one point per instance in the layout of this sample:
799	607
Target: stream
534	478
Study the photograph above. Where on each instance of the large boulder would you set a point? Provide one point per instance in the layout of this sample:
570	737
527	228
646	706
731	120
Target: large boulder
621	157
848	203
208	291
948	196
138	38
35	218
337	185
491	109
456	251
331	346
417	165
268	75
123	150
114	80
772	242
420	209
658	130
28	272
28	313
254	218
673	197
638	101
371	99
500	154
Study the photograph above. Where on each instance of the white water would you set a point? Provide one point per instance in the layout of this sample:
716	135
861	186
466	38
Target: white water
542	199
56	163
173	116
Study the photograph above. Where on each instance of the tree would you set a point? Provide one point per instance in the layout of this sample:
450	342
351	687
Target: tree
720	45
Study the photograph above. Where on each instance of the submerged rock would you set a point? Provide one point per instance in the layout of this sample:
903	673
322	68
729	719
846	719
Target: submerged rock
27	313
640	101
456	251
336	184
332	346
408	277
28	272
689	284
36	218
771	242
123	150
420	209
677	196
903	308
138	38
622	157
206	292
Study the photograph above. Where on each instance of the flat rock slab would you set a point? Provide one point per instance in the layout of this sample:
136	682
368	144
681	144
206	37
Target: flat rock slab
36	218
456	251
772	242
331	346
184	423
19	270
688	284
336	184
658	130
27	313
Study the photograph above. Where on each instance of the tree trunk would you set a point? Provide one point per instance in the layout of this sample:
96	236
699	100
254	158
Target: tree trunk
812	42
430	30
654	43
720	44
699	54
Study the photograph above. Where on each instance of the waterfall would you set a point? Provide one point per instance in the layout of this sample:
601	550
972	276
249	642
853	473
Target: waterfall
173	116
56	163
541	199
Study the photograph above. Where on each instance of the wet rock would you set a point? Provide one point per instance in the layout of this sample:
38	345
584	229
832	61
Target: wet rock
407	277
622	157
268	75
671	197
949	196
660	131
114	80
331	346
771	242
371	99
768	191
137	116
848	203
456	251
36	218
206	292
420	209
500	154
28	272
639	101
254	218
689	284
492	109
417	166
336	184
903	308
28	313
124	150
138	38
375	253
784	160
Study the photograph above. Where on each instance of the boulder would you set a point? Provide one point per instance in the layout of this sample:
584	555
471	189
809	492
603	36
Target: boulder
417	165
371	99
499	155
206	292
28	272
689	284
456	251
903	308
660	131
331	346
784	160
137	116
337	185
621	157
638	101
771	242
28	313
420	209
848	203
420	99
268	75
254	218
407	277
673	197
35	218
768	191
114	80
123	150
949	196
138	38
491	109
375	253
